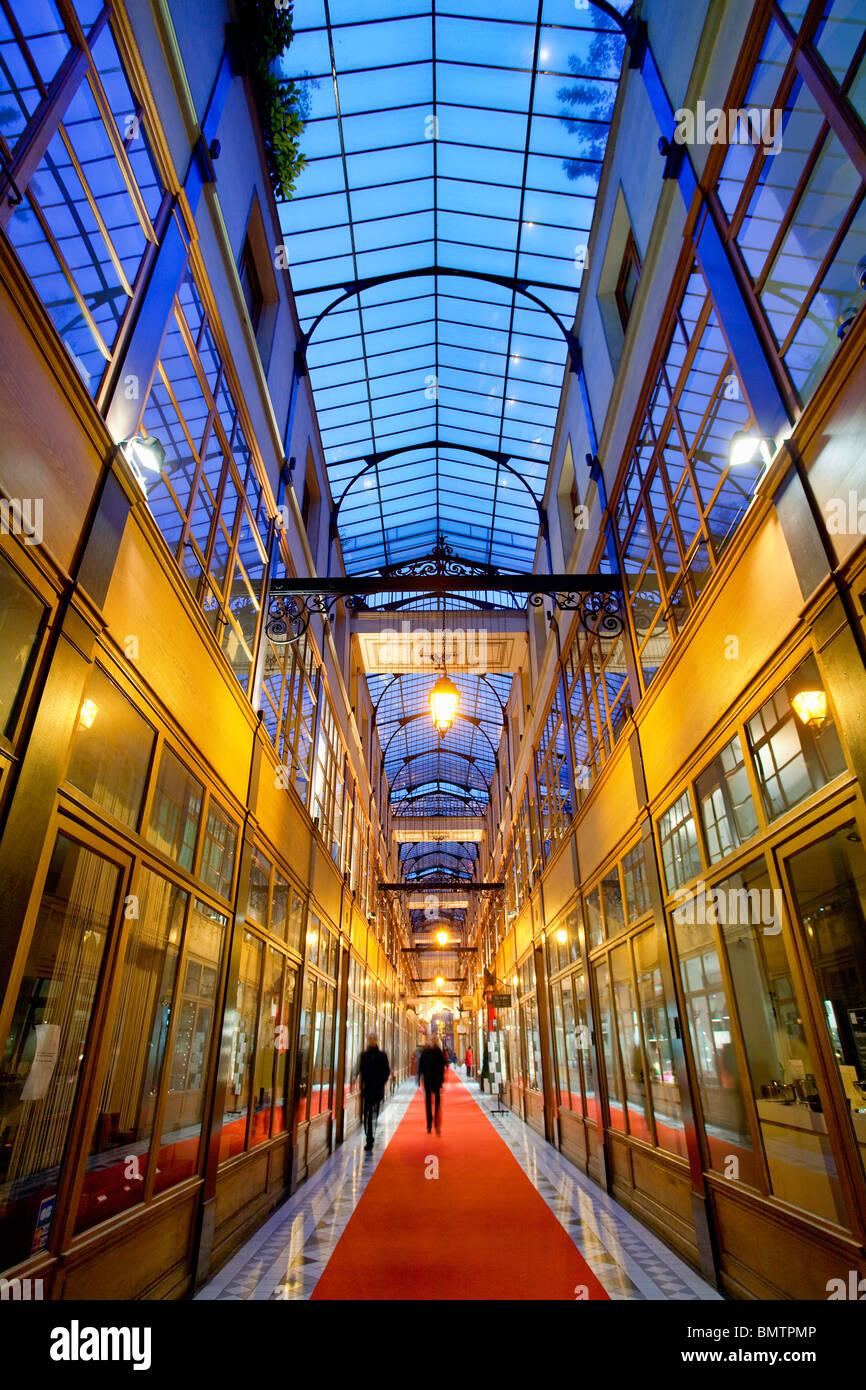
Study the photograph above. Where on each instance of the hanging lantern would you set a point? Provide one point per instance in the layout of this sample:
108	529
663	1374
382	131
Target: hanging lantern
444	699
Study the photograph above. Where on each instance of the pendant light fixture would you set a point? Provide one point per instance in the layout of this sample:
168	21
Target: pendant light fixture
444	697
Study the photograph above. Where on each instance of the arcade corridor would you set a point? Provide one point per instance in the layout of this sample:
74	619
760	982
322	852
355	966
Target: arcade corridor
497	1215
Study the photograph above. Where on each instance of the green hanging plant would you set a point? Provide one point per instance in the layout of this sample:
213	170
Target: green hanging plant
264	32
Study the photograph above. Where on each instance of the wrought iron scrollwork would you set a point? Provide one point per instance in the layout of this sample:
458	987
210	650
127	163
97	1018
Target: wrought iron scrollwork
601	614
289	616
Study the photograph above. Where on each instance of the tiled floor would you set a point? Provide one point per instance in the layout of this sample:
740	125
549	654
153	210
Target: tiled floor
286	1256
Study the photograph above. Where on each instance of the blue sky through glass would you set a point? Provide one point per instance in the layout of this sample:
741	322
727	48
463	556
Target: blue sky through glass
450	137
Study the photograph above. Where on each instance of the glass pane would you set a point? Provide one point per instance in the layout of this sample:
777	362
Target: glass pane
304	1040
830	887
48	1040
570	1075
282	1043
793	759
242	1020
728	1137
189	1066
614	917
583	1033
727	810
628	1026
594	925
679	843
614	1093
111	750
260	877
296	922
280	905
176	809
218	851
665	1092
637	898
21	614
267	1046
799	1157
117	1163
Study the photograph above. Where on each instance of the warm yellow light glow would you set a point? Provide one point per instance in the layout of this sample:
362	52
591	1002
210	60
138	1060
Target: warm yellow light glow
444	699
810	706
89	711
562	936
312	938
442	938
747	446
439	982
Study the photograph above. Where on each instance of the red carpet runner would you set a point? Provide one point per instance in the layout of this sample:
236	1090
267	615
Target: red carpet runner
480	1230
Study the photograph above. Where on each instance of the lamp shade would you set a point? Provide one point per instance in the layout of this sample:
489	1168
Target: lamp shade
444	699
810	706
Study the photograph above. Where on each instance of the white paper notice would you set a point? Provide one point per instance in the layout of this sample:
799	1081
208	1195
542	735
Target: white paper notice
42	1067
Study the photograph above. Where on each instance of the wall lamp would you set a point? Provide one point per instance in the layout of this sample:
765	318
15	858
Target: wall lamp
144	453
747	447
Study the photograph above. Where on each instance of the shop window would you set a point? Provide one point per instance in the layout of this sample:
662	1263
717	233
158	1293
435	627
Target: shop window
725	800
778	1050
661	1079
829	881
321	1080
726	1126
117	1164
792	759
678	839
631	1053
189	1067
244	1016
304	1048
219	849
48	1040
616	1112
111	750
634	878
176	810
264	1077
583	1025
282	1035
565	1029
21	618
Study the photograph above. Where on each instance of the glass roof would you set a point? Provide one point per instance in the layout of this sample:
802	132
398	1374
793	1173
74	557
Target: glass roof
445	142
464	137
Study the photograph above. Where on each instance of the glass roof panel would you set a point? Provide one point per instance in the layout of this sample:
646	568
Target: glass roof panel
461	140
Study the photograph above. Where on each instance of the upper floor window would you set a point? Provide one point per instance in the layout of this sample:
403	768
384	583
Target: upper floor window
794	196
626	285
82	190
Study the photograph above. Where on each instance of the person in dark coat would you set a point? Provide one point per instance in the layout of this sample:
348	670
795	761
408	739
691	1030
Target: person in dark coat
374	1070
431	1069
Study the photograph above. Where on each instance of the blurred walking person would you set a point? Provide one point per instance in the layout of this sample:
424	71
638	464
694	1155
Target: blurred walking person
374	1070
468	1060
431	1069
